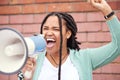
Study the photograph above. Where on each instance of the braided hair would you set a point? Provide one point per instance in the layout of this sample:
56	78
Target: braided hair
72	43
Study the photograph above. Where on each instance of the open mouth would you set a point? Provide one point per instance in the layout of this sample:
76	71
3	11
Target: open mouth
50	42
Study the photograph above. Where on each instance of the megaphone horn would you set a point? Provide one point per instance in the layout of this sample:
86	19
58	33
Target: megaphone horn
15	49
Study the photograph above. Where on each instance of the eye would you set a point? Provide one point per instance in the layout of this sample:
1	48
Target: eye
45	28
56	28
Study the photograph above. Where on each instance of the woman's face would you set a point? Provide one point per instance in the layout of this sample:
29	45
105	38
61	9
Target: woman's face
51	30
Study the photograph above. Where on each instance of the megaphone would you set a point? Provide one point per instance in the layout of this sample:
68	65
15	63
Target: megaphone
15	49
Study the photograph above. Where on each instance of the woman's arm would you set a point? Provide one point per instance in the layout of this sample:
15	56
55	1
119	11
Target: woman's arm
105	54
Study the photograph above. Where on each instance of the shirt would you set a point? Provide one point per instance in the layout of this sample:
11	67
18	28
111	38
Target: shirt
49	72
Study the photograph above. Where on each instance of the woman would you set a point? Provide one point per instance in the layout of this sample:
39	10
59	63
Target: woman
77	64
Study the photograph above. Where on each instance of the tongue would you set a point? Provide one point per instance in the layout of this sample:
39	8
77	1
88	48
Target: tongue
50	44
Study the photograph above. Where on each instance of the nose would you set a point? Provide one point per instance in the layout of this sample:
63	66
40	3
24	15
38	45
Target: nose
49	33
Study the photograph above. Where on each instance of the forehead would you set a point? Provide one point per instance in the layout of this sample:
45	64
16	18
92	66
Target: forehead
52	20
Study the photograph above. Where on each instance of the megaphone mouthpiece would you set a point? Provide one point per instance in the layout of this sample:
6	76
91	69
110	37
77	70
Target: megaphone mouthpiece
34	43
14	49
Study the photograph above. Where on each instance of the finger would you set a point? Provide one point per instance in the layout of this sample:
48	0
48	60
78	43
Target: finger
31	60
98	1
88	0
29	69
95	3
34	60
30	64
92	2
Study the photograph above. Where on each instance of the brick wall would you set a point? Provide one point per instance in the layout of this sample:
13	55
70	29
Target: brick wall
26	16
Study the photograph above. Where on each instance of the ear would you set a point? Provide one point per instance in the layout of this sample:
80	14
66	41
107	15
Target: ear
68	34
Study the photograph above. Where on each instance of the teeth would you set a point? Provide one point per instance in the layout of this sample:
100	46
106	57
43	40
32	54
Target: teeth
50	40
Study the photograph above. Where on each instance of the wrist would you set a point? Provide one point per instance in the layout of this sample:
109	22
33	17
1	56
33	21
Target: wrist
109	15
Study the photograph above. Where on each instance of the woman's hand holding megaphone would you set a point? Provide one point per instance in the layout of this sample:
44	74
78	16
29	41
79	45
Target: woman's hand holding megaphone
29	68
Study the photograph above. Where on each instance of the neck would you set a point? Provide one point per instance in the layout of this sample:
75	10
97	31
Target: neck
54	58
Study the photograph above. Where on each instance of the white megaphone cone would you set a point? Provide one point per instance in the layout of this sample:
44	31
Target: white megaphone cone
34	44
15	49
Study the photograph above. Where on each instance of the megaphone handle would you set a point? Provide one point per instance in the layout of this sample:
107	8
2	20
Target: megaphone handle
28	74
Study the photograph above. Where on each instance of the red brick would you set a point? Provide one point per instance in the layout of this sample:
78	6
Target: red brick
22	1
38	18
90	45
4	77
28	34
10	9
117	60
118	14
5	26
13	77
111	68
4	19
111	0
99	37
82	37
106	77
16	27
115	5
95	16
78	0
89	27
20	19
82	7
44	1
63	7
28	18
97	70
2	2
35	8
14	1
29	9
31	28
97	77
79	17
105	27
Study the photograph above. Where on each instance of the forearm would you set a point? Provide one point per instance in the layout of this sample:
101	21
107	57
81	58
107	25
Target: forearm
107	53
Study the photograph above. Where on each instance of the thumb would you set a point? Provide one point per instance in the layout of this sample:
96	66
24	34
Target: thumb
92	2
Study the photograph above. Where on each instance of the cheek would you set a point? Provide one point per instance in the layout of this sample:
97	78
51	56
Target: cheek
64	39
43	33
57	37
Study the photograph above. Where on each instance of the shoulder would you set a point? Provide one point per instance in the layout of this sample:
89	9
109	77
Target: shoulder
81	52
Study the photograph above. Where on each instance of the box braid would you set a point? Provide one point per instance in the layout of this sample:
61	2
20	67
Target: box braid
72	43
